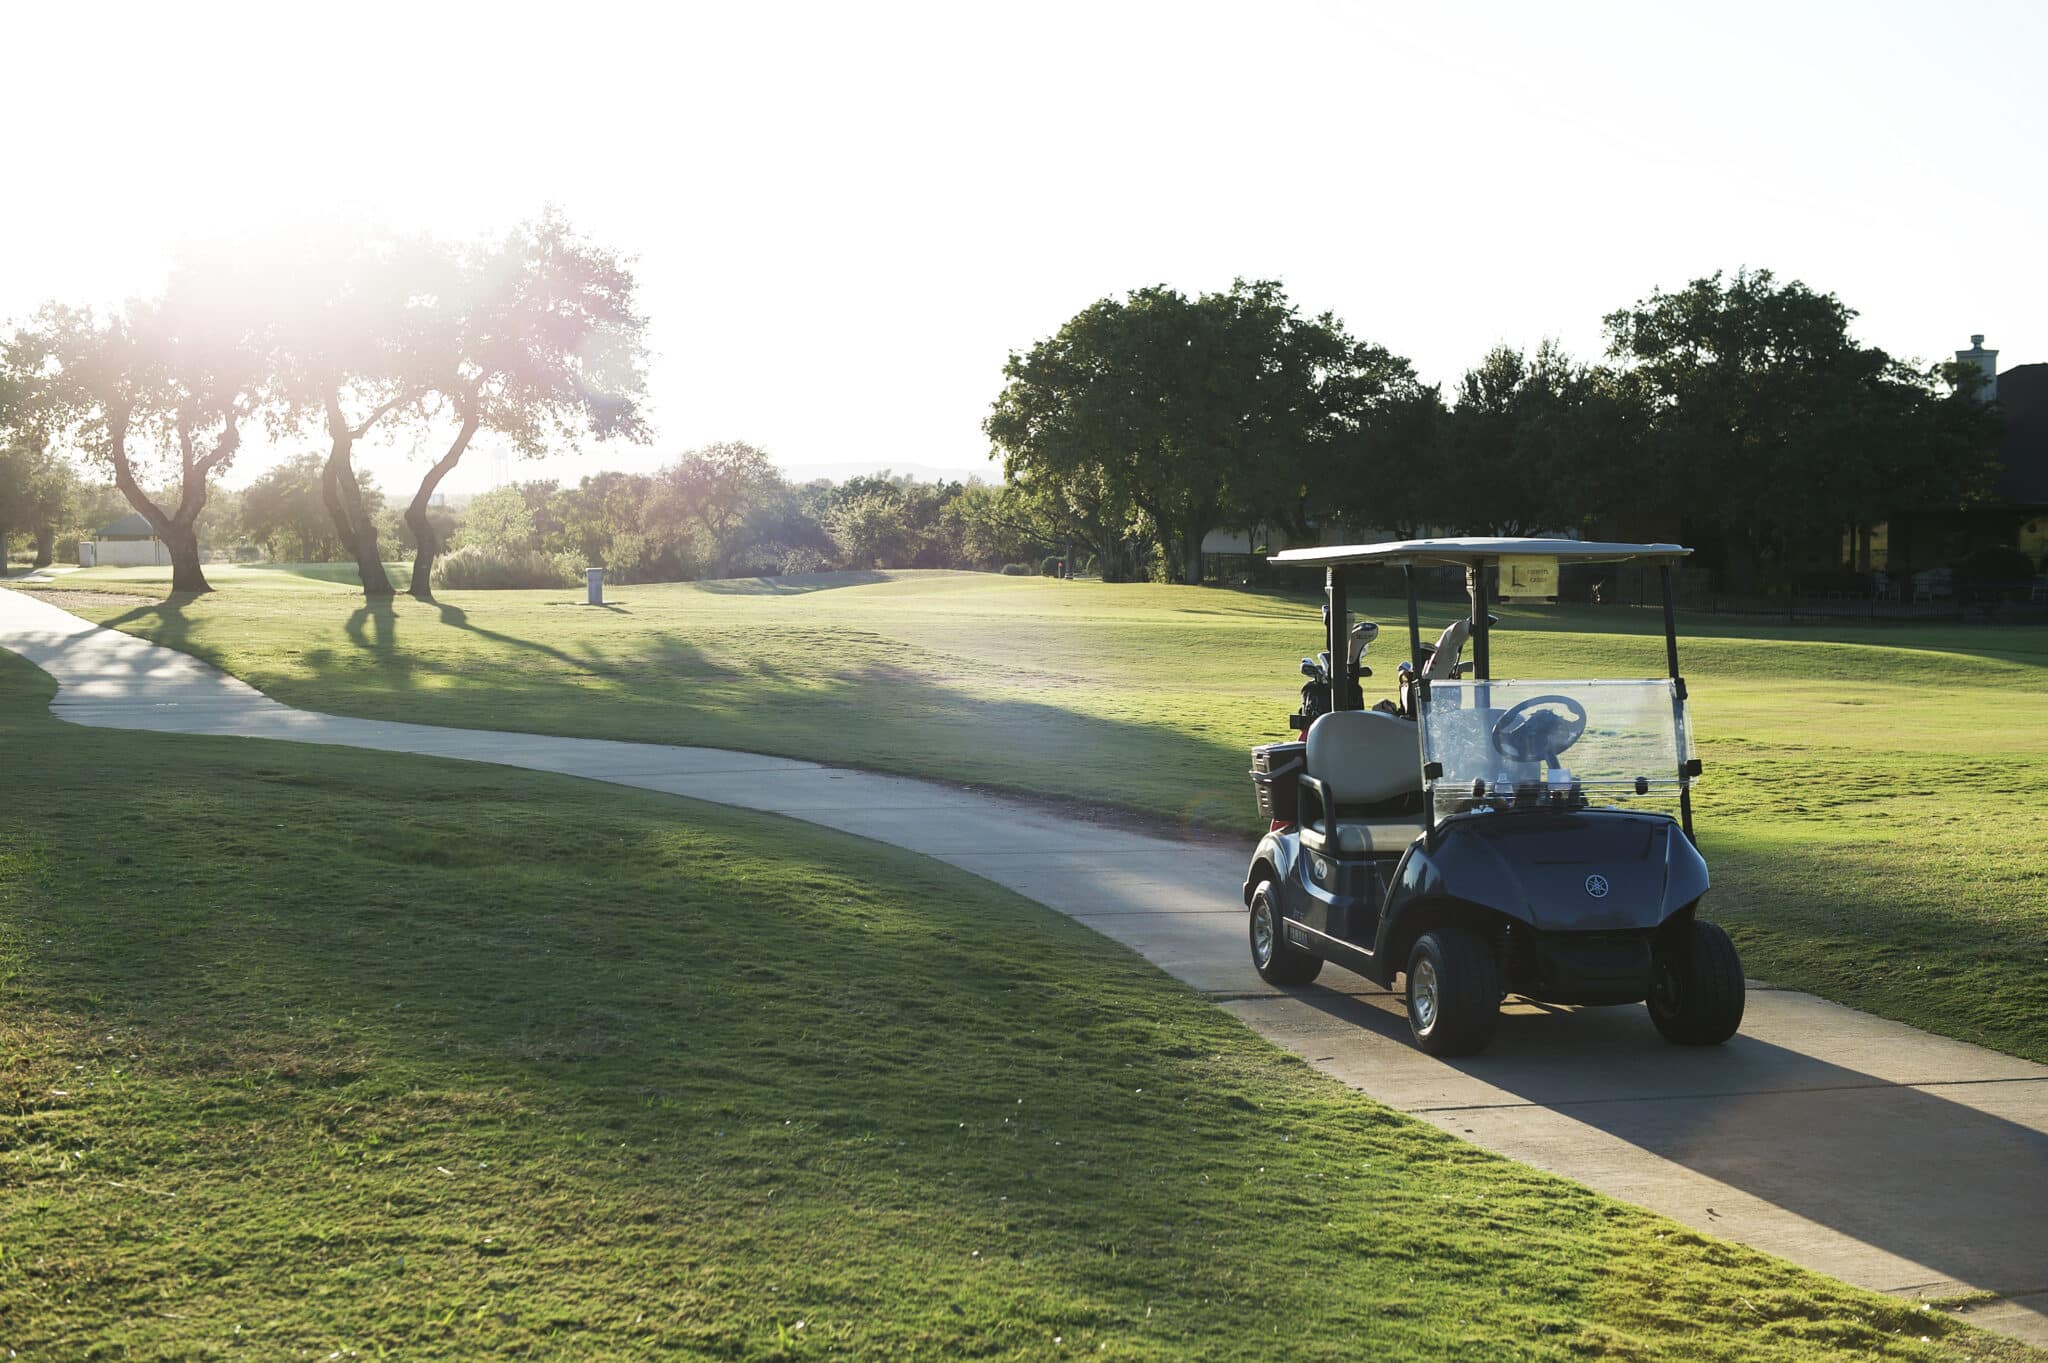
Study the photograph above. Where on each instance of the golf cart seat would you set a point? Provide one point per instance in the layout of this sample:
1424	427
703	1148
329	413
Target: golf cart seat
1366	767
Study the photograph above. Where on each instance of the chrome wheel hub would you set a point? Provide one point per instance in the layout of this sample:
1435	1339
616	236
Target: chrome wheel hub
1262	933
1422	993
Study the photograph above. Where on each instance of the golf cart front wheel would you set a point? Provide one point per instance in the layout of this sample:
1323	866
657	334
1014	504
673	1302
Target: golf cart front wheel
1276	959
1696	986
1454	992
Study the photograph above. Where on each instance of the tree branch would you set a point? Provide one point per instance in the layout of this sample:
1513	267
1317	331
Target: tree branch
124	473
358	432
224	448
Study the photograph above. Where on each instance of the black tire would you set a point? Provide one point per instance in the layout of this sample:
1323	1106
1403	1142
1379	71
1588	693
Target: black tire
1454	992
1278	961
1696	986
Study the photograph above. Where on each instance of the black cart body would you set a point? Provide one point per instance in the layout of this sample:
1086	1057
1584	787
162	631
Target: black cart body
1492	836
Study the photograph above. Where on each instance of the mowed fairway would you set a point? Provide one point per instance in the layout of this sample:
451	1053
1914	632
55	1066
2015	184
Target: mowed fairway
315	1053
1872	806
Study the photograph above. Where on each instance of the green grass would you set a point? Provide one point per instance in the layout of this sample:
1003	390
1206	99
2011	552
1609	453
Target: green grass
1871	809
313	1053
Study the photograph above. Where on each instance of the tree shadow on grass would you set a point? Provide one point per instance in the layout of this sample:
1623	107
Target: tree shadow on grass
469	963
168	624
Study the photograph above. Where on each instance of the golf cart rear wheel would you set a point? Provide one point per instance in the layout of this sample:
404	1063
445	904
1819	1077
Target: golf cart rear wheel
1454	992
1696	988
1276	959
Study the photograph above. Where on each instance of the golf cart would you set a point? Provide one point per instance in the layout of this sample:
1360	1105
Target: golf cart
1479	835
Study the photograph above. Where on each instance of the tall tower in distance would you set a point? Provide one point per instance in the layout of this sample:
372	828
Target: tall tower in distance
1987	365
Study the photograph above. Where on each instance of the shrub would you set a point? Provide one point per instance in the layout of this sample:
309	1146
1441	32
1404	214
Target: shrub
1049	567
1994	566
478	569
1017	570
633	557
802	559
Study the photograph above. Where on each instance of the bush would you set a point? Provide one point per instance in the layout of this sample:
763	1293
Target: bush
802	559
1994	567
1017	570
1049	567
477	569
633	557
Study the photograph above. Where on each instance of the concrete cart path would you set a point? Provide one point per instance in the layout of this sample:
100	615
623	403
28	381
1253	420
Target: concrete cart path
1863	1148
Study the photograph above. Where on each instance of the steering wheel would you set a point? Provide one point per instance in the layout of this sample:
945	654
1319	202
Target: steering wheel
1527	734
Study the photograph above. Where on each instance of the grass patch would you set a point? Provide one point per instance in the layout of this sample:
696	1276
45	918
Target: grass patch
306	1051
1871	807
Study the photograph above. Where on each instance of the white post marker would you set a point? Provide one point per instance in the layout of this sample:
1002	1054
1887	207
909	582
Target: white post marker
593	579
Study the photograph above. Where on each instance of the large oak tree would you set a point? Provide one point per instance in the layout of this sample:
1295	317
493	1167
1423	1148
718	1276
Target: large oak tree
360	338
535	339
1767	420
1198	412
159	395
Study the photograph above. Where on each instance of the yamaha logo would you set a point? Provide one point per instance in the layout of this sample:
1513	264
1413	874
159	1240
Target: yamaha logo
1596	886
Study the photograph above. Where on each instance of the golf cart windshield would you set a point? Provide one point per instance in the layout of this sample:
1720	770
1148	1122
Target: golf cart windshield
1508	744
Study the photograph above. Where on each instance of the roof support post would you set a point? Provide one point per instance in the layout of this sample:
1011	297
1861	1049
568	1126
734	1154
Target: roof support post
1339	610
1414	620
1677	698
1475	587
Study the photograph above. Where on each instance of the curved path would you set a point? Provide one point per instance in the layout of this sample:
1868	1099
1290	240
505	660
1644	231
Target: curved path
1866	1149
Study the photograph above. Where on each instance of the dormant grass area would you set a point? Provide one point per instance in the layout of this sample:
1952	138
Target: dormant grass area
1872	807
309	1053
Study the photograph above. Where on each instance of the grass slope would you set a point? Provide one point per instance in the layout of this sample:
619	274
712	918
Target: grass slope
1871	808
313	1053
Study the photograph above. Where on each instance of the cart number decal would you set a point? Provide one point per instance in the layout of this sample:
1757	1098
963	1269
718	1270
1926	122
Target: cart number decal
1596	886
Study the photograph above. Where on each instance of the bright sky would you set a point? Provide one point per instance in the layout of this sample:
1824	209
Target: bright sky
846	215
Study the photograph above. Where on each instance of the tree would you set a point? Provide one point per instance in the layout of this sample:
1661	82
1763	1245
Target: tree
41	493
1508	457
621	521
1192	411
283	511
538	344
721	487
869	530
1768	421
499	522
361	335
159	393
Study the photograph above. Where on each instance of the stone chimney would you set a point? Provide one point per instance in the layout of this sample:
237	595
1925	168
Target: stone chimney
1986	362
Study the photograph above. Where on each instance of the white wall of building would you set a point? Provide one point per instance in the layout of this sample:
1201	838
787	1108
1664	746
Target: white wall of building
123	554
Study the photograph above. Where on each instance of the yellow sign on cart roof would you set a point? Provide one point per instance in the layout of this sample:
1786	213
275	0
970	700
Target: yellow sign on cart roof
1528	577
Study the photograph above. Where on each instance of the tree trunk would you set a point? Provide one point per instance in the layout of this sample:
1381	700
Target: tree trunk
1193	531
186	575
344	499
46	545
187	578
426	543
1110	558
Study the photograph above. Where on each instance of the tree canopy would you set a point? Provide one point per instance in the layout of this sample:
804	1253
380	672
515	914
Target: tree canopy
535	339
1194	413
1764	418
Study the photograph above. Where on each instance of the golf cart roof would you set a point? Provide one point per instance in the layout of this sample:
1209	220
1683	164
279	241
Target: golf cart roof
1484	548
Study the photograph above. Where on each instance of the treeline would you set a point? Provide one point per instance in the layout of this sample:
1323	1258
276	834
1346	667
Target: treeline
1736	413
723	510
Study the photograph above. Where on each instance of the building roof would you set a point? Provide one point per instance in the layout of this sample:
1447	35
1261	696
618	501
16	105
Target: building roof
133	526
1481	549
2023	397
